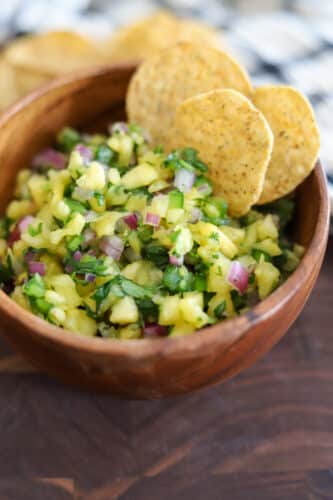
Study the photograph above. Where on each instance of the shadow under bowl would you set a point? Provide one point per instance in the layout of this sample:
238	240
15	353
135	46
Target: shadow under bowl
143	369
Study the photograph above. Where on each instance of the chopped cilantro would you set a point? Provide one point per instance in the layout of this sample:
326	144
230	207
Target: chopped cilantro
35	287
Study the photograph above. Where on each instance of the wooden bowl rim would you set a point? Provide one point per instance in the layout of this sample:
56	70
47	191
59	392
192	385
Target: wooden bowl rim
146	348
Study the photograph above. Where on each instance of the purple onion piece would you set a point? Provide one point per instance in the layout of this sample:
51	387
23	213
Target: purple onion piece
85	152
195	216
119	127
69	268
90	277
176	261
37	268
49	158
132	221
77	256
184	180
238	277
152	219
112	246
25	222
154	330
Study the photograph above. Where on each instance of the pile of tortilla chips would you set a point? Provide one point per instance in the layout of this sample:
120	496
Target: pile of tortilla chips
259	144
30	61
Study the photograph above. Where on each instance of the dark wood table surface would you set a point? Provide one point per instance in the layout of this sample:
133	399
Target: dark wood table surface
266	434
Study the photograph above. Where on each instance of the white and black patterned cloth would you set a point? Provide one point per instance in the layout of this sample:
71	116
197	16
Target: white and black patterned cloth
287	41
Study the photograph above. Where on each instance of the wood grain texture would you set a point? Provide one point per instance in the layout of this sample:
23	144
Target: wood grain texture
266	434
146	369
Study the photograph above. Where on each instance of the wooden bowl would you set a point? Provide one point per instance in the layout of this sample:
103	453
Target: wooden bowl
144	369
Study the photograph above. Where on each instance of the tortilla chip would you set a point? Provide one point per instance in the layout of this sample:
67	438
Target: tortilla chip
148	36
296	139
164	81
233	138
8	91
53	53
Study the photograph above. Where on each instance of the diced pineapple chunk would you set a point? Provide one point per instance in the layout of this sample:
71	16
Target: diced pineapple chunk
235	234
38	187
139	176
65	286
184	240
250	238
182	329
143	272
159	205
3	247
206	233
191	309
78	321
105	225
20	299
175	215
217	274
17	209
269	246
124	311
266	228
73	228
130	332
93	178
61	210
169	310
57	315
222	296
136	202
267	277
114	176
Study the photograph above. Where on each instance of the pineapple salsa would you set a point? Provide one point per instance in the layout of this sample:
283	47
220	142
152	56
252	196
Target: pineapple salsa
109	237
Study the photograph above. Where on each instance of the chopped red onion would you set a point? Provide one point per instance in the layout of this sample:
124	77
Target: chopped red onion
15	235
90	277
112	246
176	261
238	277
81	194
132	221
119	127
77	256
92	252
37	268
154	330
69	268
90	216
195	216
204	189
152	219
88	236
50	158
184	180
85	152
25	222
29	256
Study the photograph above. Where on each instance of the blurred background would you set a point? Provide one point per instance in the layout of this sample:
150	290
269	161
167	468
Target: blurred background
278	41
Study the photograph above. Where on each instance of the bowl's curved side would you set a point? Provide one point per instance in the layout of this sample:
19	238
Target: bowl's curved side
144	368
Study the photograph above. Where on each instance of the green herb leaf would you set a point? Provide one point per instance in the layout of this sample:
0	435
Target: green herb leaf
105	155
178	279
74	243
219	310
256	254
34	231
75	206
35	287
68	138
157	254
